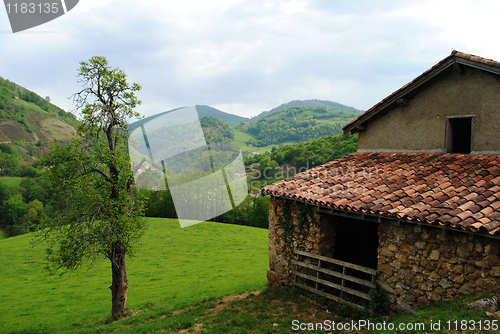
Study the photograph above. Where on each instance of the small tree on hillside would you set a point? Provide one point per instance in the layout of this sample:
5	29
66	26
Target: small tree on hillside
97	214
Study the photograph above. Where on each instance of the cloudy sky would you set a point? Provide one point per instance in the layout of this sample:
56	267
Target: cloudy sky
248	56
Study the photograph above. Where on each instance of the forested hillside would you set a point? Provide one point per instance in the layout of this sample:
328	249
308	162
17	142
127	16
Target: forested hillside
297	124
307	154
308	104
27	123
215	130
22	207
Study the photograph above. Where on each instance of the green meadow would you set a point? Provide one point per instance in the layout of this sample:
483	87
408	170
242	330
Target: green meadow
172	268
11	181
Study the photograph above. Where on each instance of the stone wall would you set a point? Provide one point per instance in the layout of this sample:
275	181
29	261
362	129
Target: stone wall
419	266
415	265
318	240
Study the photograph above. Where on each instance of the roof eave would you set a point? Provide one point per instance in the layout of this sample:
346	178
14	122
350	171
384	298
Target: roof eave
415	86
379	218
390	102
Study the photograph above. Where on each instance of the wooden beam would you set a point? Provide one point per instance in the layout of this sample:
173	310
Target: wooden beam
378	218
329	296
403	102
335	261
361	128
458	68
336	274
333	285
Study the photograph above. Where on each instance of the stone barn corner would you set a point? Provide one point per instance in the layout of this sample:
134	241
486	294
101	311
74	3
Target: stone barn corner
416	211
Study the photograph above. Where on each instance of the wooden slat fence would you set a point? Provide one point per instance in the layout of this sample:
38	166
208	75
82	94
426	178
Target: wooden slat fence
336	272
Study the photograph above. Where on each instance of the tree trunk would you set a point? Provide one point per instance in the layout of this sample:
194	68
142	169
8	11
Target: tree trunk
119	285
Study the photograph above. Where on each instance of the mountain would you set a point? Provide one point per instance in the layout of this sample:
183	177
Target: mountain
28	121
215	130
306	103
296	124
230	119
203	111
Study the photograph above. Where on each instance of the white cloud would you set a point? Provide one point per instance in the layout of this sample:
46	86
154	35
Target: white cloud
249	55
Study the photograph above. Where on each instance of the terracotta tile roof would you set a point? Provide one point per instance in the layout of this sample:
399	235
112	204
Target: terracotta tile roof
420	81
461	191
475	58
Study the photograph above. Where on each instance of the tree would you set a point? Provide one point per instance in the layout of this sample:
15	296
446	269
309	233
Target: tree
97	215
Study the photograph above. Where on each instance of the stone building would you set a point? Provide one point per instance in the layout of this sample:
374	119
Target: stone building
418	203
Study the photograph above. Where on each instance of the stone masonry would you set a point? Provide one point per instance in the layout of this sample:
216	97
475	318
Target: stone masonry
416	264
317	241
421	265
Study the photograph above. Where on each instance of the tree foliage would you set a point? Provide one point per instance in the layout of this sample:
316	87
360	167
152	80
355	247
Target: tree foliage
97	214
308	154
215	130
297	124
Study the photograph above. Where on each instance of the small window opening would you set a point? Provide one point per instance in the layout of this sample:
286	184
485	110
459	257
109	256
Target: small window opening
459	134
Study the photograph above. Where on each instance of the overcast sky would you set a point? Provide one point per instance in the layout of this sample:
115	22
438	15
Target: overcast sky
248	56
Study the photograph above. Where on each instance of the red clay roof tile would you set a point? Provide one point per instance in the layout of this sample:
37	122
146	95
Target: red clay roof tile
406	185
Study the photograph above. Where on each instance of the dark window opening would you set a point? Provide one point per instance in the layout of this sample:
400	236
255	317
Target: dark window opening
459	135
357	242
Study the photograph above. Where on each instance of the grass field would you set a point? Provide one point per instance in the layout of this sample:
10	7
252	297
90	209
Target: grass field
172	269
240	138
11	181
28	105
175	286
55	128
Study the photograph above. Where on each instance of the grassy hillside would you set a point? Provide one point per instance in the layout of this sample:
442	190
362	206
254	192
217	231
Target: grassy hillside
173	268
28	121
241	138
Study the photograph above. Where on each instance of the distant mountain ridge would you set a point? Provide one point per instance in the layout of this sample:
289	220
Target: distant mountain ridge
203	111
306	103
230	119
